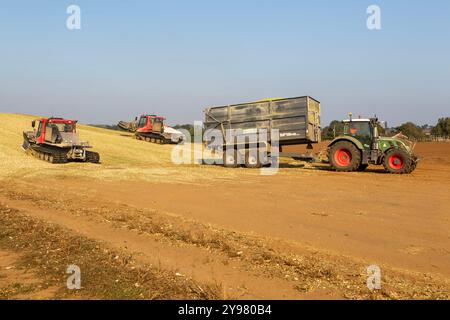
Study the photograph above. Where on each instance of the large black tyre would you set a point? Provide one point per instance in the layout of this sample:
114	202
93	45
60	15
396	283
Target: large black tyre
344	156
413	166
230	159
397	161
92	157
252	159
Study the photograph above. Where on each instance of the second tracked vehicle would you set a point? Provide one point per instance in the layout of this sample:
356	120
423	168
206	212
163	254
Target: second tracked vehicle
151	128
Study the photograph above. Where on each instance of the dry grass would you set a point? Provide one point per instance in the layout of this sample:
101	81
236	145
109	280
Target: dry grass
314	269
122	158
106	273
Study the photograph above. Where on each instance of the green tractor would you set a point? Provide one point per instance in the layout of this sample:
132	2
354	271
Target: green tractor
360	145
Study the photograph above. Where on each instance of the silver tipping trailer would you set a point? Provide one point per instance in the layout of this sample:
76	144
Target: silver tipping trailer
296	119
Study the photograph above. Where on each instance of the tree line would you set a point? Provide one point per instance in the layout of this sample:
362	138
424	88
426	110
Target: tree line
409	129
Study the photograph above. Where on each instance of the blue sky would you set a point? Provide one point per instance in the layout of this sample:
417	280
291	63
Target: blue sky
176	58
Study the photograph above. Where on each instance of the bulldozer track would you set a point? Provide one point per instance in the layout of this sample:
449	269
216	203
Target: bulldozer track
152	139
49	155
92	157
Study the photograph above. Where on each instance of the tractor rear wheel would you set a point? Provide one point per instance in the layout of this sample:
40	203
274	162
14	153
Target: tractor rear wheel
398	162
345	157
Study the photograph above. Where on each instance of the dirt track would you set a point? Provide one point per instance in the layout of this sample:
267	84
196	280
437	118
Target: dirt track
304	233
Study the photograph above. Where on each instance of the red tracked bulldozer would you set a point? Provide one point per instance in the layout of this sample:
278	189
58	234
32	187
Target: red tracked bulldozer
56	141
151	128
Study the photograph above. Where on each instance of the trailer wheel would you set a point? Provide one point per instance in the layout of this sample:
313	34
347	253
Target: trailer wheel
345	157
398	162
230	159
252	160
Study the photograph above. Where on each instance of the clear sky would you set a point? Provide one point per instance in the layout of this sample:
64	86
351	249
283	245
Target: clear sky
175	58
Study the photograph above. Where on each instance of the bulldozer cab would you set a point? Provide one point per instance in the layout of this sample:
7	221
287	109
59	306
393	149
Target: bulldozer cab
151	123
54	130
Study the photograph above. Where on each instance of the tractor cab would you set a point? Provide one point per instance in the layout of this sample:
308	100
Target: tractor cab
150	123
364	130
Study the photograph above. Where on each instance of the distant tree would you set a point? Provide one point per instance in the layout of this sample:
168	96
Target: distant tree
381	130
106	126
442	128
411	130
188	127
334	129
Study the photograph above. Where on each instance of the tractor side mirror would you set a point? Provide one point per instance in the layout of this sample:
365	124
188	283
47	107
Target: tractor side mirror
33	123
135	119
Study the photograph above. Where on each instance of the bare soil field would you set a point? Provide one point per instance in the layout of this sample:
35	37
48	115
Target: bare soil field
141	227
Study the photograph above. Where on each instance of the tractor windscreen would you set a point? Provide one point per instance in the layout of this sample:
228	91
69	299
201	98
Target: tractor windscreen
360	129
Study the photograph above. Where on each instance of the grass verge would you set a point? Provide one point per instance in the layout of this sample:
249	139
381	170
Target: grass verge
105	274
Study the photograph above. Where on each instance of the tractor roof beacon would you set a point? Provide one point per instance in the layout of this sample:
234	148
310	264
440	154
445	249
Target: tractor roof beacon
361	145
56	140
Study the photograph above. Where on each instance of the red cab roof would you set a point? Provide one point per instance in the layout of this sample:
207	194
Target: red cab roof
59	120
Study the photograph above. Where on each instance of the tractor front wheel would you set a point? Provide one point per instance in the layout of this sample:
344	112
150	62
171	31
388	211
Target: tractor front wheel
398	162
345	157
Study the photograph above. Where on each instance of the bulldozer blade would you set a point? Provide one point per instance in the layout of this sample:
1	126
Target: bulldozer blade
127	126
26	143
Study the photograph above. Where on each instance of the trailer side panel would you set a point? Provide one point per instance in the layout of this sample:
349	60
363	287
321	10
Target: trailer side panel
297	119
